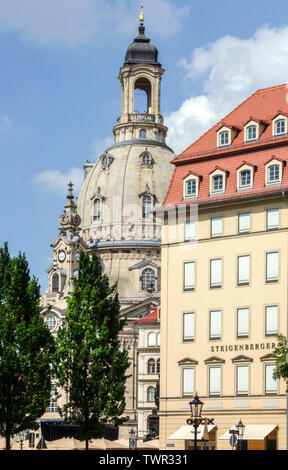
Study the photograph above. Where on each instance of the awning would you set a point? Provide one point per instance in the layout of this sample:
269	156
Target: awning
186	432
253	432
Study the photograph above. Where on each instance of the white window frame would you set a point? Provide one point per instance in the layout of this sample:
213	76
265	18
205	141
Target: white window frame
244	215
216	226
189	286
242	392
243	280
190	327
189	392
270	391
243	334
275	319
271	163
253	128
218	388
216	334
280	119
269	225
215	284
272	278
195	179
190	230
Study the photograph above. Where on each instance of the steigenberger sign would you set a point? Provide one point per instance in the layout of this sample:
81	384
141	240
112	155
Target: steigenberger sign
243	347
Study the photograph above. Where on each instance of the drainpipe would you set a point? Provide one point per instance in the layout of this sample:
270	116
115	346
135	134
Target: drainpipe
286	199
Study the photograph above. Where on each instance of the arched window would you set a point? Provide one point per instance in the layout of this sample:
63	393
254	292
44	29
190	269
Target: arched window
96	209
146	159
142	134
158	366
55	282
151	394
151	366
148	279
142	95
151	339
146	206
51	321
190	187
245	178
224	138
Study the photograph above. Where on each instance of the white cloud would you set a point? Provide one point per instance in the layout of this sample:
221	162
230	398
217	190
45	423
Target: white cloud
76	22
55	181
99	146
231	69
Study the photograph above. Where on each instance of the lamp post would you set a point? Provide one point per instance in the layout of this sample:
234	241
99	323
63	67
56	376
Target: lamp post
196	410
132	439
241	428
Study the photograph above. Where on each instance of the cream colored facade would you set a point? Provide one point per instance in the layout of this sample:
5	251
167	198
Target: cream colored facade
252	350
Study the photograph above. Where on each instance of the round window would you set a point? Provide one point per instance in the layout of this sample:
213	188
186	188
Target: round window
51	321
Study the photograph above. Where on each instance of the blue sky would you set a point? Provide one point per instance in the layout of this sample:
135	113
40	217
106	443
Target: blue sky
60	97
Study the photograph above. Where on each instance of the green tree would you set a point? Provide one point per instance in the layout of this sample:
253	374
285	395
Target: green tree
26	348
281	353
90	365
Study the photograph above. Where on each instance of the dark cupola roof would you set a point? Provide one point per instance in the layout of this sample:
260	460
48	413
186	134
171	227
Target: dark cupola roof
141	51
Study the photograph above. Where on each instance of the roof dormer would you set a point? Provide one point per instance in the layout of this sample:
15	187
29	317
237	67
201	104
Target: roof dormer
225	135
274	171
245	176
218	179
253	129
279	124
191	185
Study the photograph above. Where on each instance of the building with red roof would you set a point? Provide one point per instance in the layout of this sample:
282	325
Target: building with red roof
224	279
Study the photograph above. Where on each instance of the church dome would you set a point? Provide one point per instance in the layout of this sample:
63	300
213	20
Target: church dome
141	51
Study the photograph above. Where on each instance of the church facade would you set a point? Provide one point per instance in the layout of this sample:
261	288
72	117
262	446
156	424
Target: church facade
113	216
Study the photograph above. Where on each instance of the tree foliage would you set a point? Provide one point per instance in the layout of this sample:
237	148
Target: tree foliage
281	353
26	348
89	364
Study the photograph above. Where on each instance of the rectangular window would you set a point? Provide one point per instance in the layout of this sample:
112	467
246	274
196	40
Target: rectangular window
243	270
271	320
272	219
242	322
190	187
214	381
53	408
270	382
215	324
189	275
216	273
244	222
189	326
218	183
188	382
190	230
216	226
272	267
242	380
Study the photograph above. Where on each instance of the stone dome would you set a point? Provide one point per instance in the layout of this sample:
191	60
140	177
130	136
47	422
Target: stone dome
141	51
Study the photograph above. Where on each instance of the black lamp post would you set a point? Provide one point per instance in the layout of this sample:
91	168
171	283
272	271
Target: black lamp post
196	410
241	428
132	439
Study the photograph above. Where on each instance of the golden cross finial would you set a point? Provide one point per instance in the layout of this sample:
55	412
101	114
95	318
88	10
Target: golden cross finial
141	18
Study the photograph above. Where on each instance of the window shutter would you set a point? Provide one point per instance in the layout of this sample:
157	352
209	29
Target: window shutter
188	381
189	275
243	269
190	230
242	380
189	326
272	266
270	383
215	324
271	320
272	218
242	322
244	222
216	272
216	226
214	380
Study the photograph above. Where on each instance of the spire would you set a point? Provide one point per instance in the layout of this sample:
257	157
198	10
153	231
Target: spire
69	220
141	18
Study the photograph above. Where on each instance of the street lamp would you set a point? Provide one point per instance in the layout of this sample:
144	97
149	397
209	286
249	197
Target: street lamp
196	410
132	439
241	428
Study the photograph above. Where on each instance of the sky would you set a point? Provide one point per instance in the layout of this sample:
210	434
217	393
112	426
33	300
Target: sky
60	96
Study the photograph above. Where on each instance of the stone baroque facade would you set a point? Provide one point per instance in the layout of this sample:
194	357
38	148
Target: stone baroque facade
113	215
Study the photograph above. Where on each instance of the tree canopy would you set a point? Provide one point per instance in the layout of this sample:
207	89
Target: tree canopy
89	362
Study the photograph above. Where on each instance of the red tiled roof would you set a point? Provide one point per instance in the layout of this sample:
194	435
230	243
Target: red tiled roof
151	317
203	156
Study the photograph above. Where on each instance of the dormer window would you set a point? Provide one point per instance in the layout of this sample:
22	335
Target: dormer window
223	138
217	184
97	209
279	124
245	178
274	173
251	133
191	185
190	188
